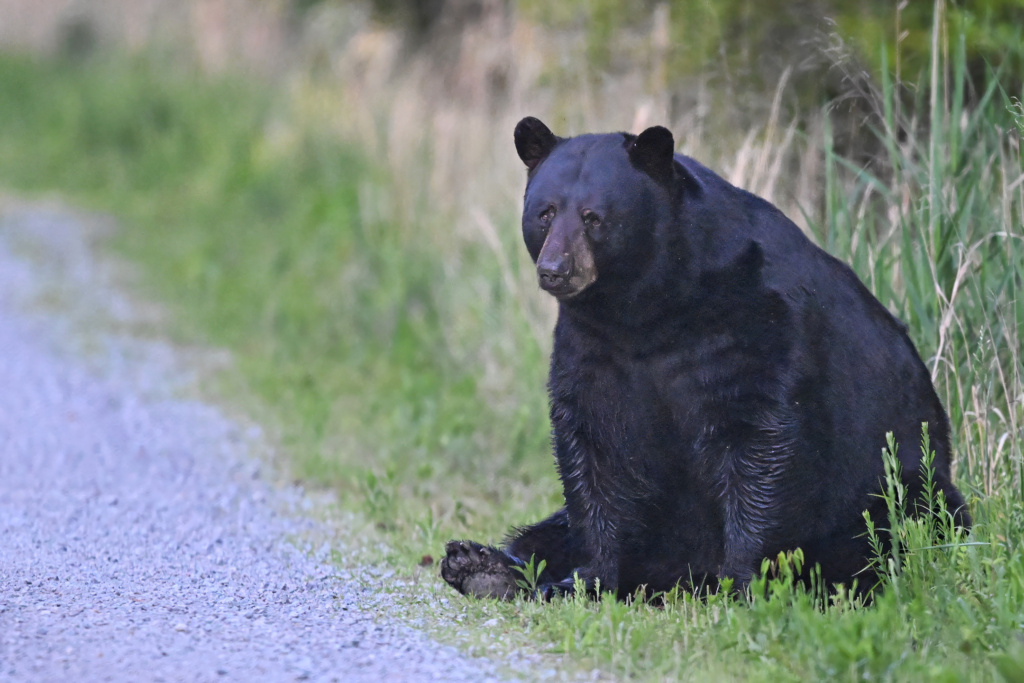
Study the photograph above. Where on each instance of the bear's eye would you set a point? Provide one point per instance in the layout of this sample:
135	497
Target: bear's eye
547	214
591	219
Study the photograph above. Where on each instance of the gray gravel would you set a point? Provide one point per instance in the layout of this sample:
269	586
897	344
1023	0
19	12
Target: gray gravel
139	539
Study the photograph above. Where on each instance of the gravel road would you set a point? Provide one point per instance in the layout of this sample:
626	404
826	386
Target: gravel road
139	538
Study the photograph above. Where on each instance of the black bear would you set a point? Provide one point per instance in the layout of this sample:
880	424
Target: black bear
720	387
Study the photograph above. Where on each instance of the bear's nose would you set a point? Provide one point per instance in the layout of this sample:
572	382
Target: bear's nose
550	278
553	273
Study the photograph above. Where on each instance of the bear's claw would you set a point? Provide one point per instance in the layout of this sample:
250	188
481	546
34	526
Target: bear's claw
477	570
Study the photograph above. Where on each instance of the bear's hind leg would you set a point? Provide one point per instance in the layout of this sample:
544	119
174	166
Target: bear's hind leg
479	570
486	572
550	540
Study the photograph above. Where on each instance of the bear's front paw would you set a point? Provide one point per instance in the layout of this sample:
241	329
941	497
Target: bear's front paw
477	570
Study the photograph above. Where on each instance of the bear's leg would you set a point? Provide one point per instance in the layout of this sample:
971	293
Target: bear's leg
740	560
747	524
554	542
751	492
486	572
550	540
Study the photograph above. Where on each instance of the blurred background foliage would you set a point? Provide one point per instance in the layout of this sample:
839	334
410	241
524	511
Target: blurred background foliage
751	41
679	58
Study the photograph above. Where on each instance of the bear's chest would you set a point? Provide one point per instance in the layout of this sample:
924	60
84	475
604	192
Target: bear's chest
662	417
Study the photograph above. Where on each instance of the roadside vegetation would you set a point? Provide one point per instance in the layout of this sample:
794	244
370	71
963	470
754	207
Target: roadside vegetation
358	253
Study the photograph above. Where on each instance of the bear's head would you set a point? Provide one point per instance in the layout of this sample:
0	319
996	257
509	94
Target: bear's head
592	205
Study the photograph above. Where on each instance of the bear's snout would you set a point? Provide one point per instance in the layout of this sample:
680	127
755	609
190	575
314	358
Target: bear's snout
554	273
565	265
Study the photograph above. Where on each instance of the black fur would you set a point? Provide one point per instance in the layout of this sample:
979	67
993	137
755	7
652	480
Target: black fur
720	387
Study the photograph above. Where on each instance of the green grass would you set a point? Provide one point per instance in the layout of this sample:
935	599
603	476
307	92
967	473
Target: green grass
401	369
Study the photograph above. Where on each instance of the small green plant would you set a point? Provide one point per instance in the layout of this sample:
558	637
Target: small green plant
779	577
428	527
531	572
918	529
379	491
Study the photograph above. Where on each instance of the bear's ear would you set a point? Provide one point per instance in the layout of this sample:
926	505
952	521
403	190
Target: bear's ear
534	141
653	153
